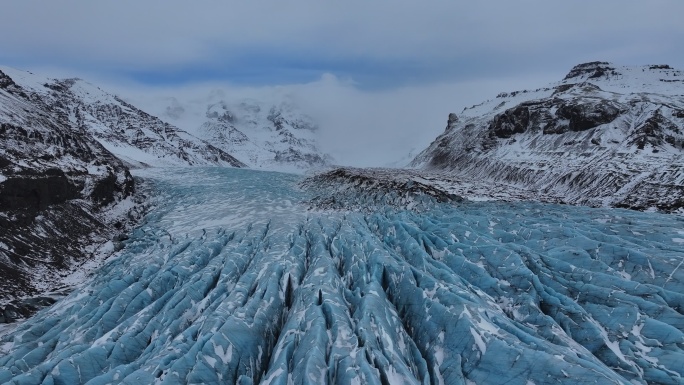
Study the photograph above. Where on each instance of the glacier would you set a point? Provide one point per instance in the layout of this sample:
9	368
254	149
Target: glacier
242	276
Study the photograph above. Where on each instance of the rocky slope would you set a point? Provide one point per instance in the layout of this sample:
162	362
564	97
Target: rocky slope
264	134
61	191
605	135
134	136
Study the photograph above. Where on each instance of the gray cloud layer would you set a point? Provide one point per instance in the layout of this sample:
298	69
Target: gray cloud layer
474	37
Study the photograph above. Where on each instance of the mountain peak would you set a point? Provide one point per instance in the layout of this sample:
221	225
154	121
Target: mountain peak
592	70
651	78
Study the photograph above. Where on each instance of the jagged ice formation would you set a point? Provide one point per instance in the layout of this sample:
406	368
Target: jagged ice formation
231	279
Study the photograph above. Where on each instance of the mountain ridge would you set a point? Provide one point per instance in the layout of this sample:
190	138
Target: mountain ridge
603	136
133	135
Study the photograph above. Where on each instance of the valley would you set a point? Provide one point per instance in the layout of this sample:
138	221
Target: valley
538	238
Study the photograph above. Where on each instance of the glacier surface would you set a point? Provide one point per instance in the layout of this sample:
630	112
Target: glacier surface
234	278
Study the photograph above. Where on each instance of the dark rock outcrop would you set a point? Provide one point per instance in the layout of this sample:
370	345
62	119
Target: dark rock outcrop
37	192
577	115
655	132
367	189
592	70
512	121
6	81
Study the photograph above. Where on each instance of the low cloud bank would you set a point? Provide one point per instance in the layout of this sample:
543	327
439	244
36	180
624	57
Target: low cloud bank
357	127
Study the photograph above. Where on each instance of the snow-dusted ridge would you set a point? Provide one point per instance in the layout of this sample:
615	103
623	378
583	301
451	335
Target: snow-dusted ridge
136	137
603	136
65	187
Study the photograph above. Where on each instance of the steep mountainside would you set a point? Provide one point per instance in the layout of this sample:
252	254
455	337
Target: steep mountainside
60	191
271	135
603	136
134	136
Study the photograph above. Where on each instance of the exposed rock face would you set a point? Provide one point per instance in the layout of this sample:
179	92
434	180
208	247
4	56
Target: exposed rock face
604	135
37	192
585	116
512	121
554	116
5	81
60	191
657	131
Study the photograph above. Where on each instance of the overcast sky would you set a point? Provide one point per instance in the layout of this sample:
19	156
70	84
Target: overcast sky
386	71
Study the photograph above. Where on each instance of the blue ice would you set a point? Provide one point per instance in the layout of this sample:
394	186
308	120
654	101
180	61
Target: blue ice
234	279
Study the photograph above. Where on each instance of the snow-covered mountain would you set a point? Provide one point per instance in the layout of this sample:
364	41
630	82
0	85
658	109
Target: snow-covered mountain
270	134
605	135
131	134
61	192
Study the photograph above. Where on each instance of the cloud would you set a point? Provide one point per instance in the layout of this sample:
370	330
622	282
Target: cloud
358	127
380	127
380	43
